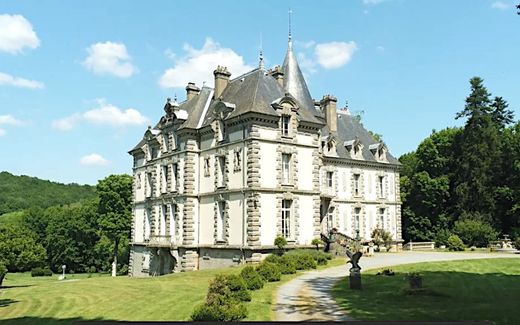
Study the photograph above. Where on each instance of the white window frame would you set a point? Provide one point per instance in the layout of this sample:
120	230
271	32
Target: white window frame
147	224
380	185
173	221
381	216
221	231
149	182
286	125
286	218
330	179
175	177
162	223
221	170
164	177
357	221
286	168
357	189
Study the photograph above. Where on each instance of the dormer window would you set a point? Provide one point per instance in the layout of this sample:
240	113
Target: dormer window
379	151
329	146
355	148
154	152
286	123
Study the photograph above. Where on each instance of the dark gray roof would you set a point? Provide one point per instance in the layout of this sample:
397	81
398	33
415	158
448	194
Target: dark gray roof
350	129
255	91
294	82
195	108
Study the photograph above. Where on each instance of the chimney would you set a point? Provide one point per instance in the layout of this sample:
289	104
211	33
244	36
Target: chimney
277	74
328	106
221	80
191	90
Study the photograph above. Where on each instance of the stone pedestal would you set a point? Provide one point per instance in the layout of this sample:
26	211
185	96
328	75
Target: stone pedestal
355	279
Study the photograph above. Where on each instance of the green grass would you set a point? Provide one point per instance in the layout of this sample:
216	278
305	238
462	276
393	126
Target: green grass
487	289
44	300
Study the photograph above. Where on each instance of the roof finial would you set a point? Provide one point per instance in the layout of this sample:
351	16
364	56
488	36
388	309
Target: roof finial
290	34
261	56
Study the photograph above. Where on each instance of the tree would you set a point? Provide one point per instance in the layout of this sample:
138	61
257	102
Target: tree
72	234
20	250
500	115
115	210
478	152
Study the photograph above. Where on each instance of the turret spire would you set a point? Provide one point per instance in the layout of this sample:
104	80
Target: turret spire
290	32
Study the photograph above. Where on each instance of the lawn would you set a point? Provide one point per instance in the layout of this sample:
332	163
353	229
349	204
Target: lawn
487	289
43	300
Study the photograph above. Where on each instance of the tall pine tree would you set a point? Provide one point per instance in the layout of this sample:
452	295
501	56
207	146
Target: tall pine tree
478	154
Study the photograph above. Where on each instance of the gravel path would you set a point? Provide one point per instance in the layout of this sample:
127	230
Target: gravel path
307	297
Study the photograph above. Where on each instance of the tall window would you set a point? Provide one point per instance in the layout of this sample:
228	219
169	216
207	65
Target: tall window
138	181
207	169
221	170
381	218
173	221
147	214
286	168
380	186
330	218
286	218
175	179
356	184
329	179
221	221
286	122
165	179
154	152
357	212
149	183
164	217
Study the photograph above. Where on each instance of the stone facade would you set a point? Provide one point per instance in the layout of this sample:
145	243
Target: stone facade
212	176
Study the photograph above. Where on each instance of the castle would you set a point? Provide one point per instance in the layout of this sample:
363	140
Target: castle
255	157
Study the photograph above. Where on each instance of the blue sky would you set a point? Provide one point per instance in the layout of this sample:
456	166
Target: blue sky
79	82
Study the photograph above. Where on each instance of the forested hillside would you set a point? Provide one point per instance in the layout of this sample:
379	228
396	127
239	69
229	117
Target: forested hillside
23	192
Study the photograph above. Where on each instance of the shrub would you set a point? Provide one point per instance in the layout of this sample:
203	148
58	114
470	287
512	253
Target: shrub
38	271
3	272
316	242
382	237
272	258
123	270
270	272
441	237
516	243
91	269
474	232
219	308
287	265
280	242
252	279
455	243
224	300
237	286
306	259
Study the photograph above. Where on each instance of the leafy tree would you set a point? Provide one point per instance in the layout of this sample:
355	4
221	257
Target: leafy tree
71	236
474	232
115	210
20	250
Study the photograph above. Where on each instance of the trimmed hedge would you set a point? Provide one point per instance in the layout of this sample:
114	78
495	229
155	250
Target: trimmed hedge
224	301
303	259
252	279
270	272
3	272
38	271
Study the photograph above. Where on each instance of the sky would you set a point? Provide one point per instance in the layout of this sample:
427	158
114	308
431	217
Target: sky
80	81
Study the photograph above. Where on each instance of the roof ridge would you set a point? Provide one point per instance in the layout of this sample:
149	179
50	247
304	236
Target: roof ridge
245	74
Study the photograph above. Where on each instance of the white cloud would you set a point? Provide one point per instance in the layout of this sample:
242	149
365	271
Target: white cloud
93	159
11	120
16	33
308	65
2	132
66	123
105	113
501	5
334	54
198	65
8	80
109	58
380	48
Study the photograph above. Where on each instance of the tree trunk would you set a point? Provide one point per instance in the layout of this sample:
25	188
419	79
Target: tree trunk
114	263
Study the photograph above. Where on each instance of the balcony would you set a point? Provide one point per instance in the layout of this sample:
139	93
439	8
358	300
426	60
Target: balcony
160	241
